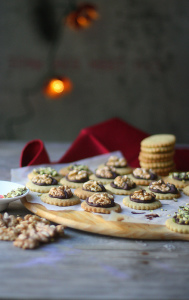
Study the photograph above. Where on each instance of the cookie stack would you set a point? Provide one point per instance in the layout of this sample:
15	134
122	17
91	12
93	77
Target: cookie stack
157	153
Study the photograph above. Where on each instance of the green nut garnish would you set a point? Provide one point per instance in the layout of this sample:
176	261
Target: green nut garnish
16	193
49	171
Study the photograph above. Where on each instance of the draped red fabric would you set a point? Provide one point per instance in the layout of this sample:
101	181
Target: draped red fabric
111	135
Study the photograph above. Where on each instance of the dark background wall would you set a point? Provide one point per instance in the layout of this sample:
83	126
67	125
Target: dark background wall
131	63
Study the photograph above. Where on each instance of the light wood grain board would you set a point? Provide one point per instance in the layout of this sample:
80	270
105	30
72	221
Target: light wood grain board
96	224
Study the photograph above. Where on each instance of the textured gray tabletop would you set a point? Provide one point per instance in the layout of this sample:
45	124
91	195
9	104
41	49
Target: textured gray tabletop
88	266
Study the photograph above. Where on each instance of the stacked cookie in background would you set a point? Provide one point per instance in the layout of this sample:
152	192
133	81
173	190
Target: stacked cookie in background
157	153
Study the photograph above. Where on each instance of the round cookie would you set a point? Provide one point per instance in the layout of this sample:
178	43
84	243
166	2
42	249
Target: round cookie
178	183
167	196
39	188
60	202
157	165
103	180
157	149
159	140
120	171
89	188
121	191
45	170
171	225
101	203
142	176
141	206
73	185
105	174
186	190
86	207
122	185
155	157
64	171
75	179
162	190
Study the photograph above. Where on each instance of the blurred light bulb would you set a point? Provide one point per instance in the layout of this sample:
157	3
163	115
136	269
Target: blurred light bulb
57	87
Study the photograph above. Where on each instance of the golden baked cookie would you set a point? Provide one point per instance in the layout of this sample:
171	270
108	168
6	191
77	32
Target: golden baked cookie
89	188
60	202
159	140
186	190
122	185
79	167
157	165
45	170
120	171
105	174
101	203
141	206
170	224
143	176
157	149
121	191
162	190
37	188
75	179
156	157
86	207
180	221
41	183
168	196
177	179
142	199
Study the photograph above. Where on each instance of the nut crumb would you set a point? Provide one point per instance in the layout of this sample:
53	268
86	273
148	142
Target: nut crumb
29	232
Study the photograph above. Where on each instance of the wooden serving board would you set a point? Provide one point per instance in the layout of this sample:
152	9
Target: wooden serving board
90	222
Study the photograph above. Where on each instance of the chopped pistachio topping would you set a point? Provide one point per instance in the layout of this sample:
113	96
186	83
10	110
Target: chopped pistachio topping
79	167
16	193
48	171
182	216
180	175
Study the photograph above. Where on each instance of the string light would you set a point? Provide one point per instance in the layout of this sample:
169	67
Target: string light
56	87
82	17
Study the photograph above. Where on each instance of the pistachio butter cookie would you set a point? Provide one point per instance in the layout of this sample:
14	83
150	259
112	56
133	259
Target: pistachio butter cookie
75	179
105	174
60	196
89	188
101	203
142	200
120	165
122	185
180	221
41	183
163	191
45	170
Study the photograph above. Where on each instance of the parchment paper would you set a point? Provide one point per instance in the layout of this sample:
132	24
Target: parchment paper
169	207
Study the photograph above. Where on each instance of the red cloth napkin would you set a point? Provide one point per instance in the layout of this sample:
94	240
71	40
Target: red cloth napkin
108	136
105	137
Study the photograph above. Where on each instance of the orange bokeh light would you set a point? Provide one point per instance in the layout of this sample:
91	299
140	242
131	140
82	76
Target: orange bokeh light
82	17
57	87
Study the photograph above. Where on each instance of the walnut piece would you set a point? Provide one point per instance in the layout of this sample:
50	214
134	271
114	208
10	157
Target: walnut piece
120	181
29	232
101	198
142	195
77	175
114	161
160	185
61	191
93	186
142	173
42	179
106	172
